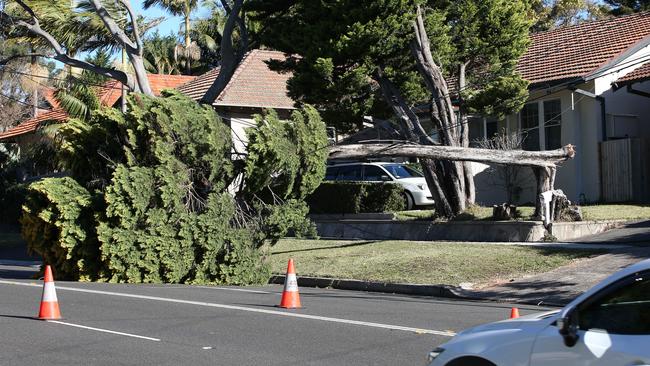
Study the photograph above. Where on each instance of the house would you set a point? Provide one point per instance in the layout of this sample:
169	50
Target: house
589	86
25	133
253	87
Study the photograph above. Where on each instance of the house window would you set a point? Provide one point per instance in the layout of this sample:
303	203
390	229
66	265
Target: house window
552	125
541	126
530	126
481	128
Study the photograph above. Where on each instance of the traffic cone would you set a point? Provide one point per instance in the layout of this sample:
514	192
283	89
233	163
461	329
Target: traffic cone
49	303
290	296
514	313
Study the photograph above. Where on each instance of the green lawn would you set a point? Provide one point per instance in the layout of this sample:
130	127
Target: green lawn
418	262
594	212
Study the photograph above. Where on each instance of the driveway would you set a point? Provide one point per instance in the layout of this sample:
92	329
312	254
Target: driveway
560	286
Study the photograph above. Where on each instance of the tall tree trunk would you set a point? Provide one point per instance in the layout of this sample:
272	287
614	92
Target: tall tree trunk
140	74
453	174
470	189
188	41
35	91
229	58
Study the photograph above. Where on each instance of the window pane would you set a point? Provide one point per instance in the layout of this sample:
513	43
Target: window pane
475	130
373	173
530	116
553	137
625	311
530	126
531	140
331	173
349	173
401	171
552	112
552	120
491	129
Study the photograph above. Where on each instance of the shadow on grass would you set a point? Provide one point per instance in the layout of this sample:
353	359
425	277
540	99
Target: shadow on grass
356	244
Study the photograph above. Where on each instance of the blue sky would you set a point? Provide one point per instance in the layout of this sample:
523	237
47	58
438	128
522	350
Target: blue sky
171	24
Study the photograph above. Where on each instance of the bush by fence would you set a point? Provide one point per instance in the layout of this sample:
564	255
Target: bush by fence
356	197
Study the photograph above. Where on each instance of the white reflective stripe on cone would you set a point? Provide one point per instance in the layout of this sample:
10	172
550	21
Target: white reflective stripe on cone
49	292
291	283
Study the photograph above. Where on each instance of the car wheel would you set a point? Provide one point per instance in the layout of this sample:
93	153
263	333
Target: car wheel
470	361
408	201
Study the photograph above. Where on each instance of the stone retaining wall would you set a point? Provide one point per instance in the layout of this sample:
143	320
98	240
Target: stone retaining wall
496	231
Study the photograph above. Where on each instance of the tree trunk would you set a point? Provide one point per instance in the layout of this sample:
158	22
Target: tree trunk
229	60
140	74
538	159
188	41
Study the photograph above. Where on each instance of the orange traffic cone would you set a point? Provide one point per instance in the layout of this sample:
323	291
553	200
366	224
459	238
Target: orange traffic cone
49	303
514	313
290	296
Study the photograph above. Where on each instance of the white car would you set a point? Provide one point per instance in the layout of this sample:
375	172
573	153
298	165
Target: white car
608	325
416	191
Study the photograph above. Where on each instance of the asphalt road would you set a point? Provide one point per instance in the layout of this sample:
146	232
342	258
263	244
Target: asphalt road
196	325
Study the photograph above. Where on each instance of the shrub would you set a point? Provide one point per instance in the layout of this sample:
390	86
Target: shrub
356	197
58	222
148	199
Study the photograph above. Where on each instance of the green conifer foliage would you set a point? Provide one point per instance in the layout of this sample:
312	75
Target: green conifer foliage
167	212
59	222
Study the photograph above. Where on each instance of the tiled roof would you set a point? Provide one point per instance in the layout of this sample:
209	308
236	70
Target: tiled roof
253	84
640	74
109	94
32	124
197	87
578	50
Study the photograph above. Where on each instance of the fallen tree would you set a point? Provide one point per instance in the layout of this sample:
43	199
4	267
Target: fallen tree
543	163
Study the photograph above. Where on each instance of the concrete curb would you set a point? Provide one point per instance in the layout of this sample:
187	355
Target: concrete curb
446	291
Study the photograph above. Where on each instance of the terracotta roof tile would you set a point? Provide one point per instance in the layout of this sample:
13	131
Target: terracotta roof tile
576	51
32	124
253	84
640	74
109	94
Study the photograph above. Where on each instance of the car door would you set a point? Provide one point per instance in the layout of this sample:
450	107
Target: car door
613	329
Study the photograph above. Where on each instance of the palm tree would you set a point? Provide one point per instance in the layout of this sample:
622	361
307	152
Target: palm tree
159	54
184	8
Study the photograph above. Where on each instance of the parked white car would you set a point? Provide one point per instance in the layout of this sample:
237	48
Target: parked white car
608	325
416	191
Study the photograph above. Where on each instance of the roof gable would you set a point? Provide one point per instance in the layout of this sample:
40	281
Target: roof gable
579	50
253	85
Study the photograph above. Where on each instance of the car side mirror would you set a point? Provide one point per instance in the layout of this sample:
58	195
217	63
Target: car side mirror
385	178
568	329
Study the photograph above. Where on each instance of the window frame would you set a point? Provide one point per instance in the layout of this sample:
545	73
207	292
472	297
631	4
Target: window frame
541	123
607	291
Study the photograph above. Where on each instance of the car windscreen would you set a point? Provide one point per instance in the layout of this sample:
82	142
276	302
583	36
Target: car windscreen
400	171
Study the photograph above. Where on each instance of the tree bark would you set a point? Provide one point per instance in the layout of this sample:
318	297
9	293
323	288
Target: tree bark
229	59
134	48
537	159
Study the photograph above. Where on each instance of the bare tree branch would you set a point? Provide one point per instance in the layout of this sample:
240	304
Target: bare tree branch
63	57
112	26
134	22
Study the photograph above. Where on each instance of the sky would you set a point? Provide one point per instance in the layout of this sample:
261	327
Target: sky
171	24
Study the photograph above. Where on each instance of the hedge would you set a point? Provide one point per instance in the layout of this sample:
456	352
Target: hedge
356	197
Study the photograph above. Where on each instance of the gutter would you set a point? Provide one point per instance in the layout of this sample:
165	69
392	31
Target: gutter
637	92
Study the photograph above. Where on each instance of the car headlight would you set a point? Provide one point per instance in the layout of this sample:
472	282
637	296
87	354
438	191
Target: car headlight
433	354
